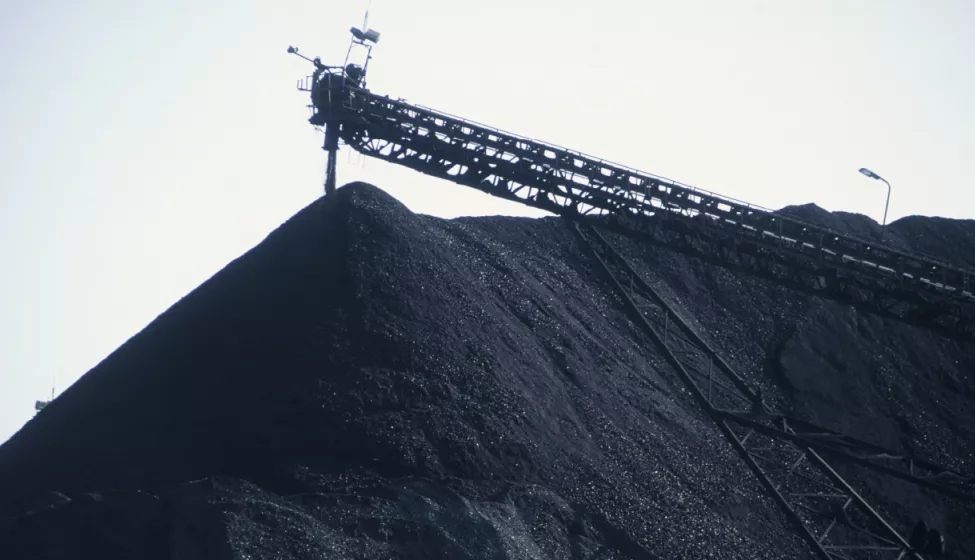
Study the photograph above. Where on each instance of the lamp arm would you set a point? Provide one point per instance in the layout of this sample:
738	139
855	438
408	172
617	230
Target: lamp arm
886	204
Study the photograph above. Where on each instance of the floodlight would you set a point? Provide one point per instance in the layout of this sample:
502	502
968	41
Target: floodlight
869	173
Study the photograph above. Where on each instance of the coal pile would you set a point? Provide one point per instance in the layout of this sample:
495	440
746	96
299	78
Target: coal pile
369	383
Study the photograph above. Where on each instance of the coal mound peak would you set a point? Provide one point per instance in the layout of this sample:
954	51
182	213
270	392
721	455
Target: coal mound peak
371	383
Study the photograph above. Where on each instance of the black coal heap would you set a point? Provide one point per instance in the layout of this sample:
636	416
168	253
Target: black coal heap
369	383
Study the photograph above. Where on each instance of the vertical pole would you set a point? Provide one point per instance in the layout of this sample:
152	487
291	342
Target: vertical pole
332	147
886	204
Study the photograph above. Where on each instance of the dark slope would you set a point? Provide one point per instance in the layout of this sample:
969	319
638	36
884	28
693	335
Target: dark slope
368	383
874	378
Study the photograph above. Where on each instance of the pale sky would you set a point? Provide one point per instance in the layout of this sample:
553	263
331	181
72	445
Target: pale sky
144	145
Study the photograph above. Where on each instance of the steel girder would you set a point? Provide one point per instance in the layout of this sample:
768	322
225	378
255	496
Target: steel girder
853	270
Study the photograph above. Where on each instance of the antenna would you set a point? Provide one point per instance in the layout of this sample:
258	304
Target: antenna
366	38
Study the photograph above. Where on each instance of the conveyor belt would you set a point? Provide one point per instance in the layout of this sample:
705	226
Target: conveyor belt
732	233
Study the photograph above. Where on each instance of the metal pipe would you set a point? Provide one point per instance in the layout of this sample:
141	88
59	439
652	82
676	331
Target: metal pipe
886	204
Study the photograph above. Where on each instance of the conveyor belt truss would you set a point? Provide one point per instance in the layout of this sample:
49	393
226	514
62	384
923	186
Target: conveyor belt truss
732	233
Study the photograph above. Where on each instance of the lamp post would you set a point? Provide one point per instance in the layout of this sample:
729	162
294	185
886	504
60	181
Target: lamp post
873	175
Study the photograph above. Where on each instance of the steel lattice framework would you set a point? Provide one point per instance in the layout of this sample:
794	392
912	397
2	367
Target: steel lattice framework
680	217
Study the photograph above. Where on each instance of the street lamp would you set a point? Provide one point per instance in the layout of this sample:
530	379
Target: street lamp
873	175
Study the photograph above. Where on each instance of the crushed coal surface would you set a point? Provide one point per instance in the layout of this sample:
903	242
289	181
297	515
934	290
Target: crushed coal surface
370	383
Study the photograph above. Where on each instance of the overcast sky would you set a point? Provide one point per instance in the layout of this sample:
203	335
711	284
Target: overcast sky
144	145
